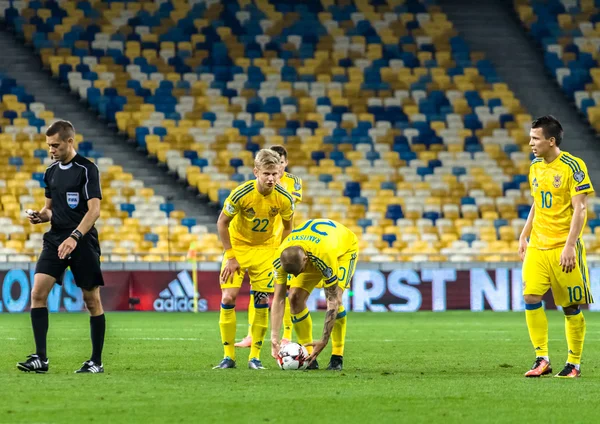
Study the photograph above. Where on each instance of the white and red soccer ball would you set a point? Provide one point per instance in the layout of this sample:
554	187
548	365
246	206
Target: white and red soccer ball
292	356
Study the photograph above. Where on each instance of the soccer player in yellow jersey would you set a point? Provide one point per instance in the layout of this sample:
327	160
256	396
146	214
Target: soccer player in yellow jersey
248	230
292	185
554	257
319	249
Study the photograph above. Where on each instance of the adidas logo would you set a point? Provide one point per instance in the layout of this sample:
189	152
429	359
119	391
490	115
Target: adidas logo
179	296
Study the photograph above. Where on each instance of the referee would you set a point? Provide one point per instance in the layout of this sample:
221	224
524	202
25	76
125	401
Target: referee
72	206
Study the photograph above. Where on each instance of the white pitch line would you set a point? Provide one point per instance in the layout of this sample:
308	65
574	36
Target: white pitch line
194	339
165	338
185	339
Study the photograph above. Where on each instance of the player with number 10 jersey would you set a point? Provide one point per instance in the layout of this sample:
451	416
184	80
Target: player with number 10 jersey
553	186
554	256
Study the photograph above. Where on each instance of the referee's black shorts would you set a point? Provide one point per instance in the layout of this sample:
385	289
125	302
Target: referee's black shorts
84	260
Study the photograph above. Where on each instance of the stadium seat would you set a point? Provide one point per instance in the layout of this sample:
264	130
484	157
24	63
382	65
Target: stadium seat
381	135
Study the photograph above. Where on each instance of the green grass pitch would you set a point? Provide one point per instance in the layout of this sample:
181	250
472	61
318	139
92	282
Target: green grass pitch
423	367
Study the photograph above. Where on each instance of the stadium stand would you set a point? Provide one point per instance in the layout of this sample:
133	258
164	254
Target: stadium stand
567	33
134	220
397	128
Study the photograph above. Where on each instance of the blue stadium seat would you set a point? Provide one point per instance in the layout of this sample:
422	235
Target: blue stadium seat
151	237
389	238
394	212
188	222
128	207
167	208
469	238
593	223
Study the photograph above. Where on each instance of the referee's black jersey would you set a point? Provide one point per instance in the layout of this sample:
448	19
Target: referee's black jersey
70	186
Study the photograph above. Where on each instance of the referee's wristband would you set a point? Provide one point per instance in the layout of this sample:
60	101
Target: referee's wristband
76	235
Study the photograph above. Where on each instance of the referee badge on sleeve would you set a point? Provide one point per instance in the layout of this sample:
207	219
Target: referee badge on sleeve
72	199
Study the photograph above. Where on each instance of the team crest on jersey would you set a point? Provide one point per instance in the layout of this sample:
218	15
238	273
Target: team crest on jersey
557	181
273	211
72	199
250	212
579	176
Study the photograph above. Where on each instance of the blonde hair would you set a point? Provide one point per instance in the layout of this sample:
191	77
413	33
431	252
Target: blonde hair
267	158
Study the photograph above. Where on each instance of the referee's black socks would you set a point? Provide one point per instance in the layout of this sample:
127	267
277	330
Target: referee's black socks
39	323
97	330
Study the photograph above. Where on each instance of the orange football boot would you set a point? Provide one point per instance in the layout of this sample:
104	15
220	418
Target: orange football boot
539	368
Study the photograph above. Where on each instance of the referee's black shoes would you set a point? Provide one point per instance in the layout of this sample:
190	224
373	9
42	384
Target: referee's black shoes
34	364
90	367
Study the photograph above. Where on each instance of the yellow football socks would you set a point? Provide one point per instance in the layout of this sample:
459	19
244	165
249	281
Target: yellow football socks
258	329
575	330
338	335
303	327
227	325
250	313
537	324
287	321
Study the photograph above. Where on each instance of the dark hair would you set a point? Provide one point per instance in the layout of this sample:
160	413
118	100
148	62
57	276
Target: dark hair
550	127
279	149
64	129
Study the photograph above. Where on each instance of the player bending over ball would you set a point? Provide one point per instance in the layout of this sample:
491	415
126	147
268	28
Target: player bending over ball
319	249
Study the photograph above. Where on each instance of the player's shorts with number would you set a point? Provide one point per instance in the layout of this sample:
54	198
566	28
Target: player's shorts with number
258	262
346	268
542	271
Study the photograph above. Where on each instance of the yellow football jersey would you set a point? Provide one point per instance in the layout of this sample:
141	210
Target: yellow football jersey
255	216
293	185
553	185
324	241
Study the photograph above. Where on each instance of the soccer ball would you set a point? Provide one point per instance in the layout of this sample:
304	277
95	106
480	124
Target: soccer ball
292	356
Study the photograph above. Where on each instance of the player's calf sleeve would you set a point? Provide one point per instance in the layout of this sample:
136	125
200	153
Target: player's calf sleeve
250	313
575	330
303	327
97	331
537	324
258	329
39	324
227	323
287	321
338	335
